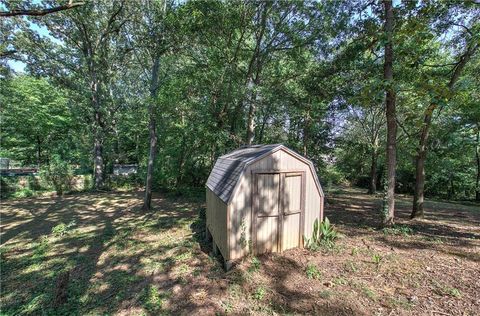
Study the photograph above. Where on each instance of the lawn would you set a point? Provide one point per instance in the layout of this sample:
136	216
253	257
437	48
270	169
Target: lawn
98	253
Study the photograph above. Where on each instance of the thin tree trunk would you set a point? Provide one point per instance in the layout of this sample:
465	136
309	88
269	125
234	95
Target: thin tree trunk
252	83
98	162
373	172
477	155
39	151
418	198
251	113
306	128
152	127
391	116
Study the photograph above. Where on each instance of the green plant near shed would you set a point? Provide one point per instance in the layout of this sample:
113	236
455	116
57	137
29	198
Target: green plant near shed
323	235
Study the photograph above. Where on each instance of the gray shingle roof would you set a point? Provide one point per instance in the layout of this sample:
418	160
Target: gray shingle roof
228	168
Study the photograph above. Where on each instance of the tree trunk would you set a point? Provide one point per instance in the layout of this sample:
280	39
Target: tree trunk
98	163
98	160
152	127
391	116
252	83
306	129
477	155
418	198
251	113
373	172
39	151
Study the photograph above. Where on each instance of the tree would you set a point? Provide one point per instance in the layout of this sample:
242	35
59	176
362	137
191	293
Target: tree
85	61
390	114
151	39
36	120
472	43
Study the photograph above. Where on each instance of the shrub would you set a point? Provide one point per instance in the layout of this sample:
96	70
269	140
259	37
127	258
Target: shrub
23	193
58	174
323	235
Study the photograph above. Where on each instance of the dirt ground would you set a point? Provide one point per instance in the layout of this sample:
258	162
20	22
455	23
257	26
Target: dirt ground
98	253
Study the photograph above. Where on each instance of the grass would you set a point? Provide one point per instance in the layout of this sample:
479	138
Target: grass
110	248
122	260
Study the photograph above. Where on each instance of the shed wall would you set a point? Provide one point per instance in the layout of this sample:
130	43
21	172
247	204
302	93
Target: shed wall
217	219
241	204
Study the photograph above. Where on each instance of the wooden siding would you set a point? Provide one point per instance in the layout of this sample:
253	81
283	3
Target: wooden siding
293	198
240	210
217	222
291	231
267	234
268	194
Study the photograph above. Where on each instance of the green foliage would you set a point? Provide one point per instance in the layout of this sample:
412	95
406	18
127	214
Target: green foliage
23	193
323	236
62	229
314	84
398	230
58	174
313	272
35	119
377	259
259	293
255	265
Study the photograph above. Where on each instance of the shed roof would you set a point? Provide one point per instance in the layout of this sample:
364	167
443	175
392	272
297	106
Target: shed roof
229	168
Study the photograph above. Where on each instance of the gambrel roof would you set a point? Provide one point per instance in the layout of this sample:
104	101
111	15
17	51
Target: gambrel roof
229	168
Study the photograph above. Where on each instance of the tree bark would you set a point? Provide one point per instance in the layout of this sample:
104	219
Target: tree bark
306	128
98	163
98	154
252	83
373	172
477	155
251	113
152	127
391	116
39	151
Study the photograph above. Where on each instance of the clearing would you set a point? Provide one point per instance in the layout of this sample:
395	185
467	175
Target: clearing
124	261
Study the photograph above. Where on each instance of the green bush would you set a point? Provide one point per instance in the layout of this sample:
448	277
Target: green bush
58	174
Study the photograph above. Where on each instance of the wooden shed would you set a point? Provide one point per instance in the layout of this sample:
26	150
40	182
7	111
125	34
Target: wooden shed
262	198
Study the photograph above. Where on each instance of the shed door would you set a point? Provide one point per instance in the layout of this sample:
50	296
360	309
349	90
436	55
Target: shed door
278	205
267	212
292	210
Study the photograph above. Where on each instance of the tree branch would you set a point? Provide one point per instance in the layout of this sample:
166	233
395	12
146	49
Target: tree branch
40	12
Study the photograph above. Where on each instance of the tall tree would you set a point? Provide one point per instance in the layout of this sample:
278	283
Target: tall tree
390	114
151	40
82	55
